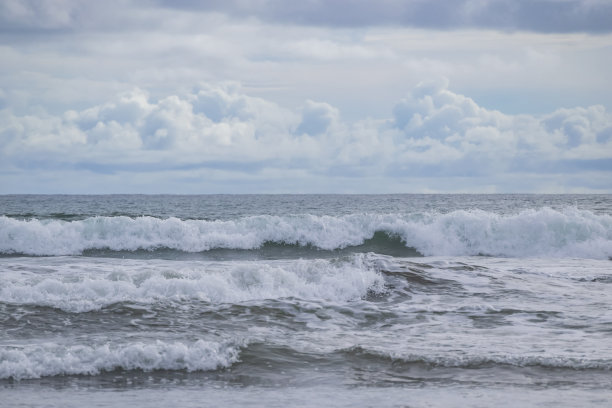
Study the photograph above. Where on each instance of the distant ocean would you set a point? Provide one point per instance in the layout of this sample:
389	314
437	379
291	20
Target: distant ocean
306	300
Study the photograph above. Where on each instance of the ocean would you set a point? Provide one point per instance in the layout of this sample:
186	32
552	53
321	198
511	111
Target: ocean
306	300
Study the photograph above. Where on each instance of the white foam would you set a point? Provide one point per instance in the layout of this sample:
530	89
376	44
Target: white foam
73	284
540	232
530	233
461	360
49	359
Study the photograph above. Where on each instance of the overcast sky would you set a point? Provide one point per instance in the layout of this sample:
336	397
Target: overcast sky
312	96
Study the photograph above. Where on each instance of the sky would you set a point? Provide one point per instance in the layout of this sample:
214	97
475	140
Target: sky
336	96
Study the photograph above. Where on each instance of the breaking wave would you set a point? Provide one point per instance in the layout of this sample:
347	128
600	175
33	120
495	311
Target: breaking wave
35	361
100	284
53	359
538	232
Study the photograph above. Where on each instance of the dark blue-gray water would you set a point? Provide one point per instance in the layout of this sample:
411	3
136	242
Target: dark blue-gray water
306	300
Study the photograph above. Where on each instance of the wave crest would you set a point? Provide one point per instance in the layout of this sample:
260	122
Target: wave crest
542	232
52	359
111	281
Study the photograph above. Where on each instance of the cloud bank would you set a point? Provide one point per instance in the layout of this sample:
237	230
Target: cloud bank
217	131
546	16
532	15
307	96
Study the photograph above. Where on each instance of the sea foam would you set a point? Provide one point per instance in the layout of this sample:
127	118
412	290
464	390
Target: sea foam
539	232
49	359
78	287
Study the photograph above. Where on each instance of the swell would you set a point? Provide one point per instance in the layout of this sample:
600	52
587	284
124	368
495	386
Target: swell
366	356
539	232
51	359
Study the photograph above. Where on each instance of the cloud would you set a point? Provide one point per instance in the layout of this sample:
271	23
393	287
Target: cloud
102	48
532	15
547	16
434	133
432	116
317	118
281	95
36	13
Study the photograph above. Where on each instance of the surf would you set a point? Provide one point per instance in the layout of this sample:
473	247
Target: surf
568	232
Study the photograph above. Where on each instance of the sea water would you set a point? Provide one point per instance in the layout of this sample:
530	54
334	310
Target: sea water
306	300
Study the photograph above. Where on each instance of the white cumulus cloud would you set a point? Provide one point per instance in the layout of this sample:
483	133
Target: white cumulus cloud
433	133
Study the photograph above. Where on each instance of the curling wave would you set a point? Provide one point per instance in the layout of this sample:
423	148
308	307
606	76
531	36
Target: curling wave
539	232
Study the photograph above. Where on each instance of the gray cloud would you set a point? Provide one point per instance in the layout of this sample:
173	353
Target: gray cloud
546	16
316	118
592	16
